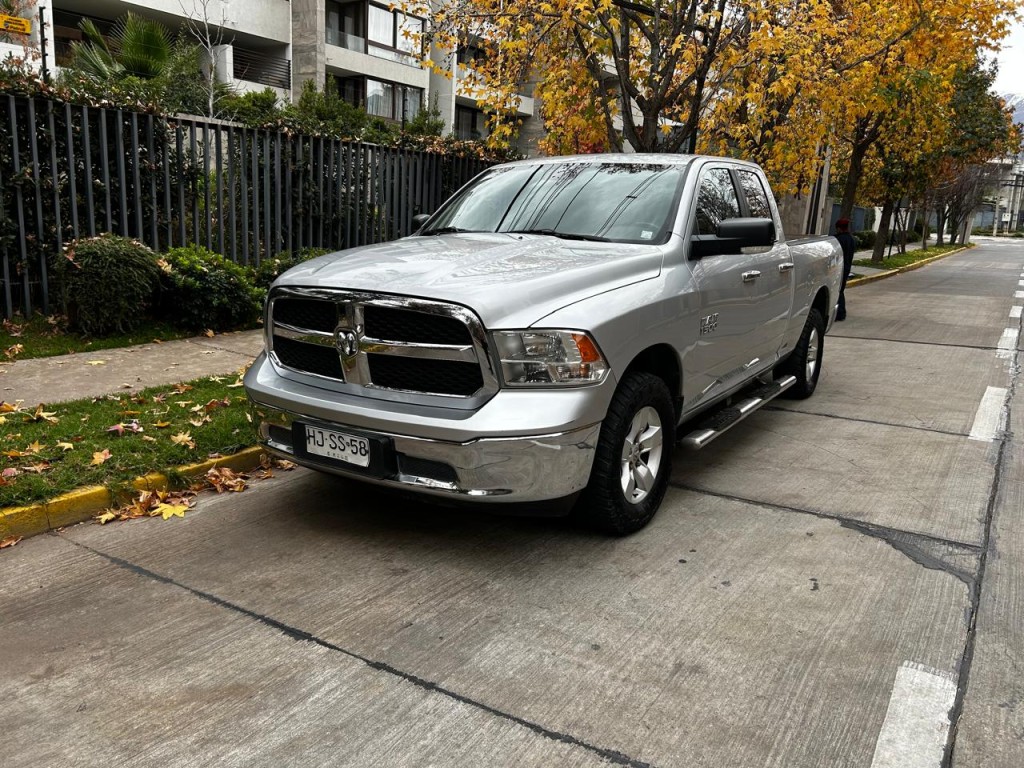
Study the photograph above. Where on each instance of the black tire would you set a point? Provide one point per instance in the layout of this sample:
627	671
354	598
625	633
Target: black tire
809	349
604	505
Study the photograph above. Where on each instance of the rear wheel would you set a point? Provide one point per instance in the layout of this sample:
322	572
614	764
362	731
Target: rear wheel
633	458
804	362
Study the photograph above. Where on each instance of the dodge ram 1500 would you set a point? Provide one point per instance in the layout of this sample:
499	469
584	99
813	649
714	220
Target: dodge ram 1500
553	331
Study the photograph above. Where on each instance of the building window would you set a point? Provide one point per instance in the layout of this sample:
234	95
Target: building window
346	24
382	99
394	35
469	122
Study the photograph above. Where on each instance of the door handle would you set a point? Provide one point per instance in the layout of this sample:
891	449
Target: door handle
751	276
786	266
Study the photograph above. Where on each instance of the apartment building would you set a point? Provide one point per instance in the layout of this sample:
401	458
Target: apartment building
363	45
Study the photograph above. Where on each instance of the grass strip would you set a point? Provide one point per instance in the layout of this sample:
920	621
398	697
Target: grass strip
898	260
41	336
49	450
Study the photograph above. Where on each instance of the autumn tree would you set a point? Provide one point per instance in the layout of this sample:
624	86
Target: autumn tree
644	69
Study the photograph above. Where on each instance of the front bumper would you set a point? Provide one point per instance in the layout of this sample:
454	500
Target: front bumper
507	469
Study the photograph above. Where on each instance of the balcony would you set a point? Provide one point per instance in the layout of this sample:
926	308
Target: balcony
257	67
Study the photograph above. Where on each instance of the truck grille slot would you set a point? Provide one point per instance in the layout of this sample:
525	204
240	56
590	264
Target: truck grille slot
309	358
442	377
391	324
311	314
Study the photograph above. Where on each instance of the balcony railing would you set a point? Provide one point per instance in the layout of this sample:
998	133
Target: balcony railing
345	40
257	67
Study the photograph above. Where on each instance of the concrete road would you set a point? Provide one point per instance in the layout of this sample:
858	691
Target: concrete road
837	582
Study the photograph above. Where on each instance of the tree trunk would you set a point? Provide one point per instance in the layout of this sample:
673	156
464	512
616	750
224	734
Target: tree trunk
940	225
878	254
853	176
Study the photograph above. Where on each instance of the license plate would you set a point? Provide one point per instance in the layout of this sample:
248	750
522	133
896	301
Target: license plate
351	449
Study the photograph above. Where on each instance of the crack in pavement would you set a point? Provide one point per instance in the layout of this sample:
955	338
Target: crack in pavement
612	756
908	341
863	421
916	546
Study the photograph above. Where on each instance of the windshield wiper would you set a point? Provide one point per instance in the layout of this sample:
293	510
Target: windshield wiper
445	231
563	235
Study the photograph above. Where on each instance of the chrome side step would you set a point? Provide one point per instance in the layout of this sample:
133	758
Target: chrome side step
725	419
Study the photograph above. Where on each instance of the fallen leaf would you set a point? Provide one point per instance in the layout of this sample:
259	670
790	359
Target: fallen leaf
208	333
66	446
41	415
162	424
126	386
3	419
226	479
96	362
117	429
10	407
182	388
183	403
199	421
34	447
167	511
10	472
99	457
285	464
38	468
133	426
106	516
9	541
217	379
183	438
14	350
14	454
149	439
238	383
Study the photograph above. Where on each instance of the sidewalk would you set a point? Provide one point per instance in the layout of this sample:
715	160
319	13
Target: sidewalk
129	369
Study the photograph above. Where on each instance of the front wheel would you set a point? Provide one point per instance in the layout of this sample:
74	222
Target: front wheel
633	458
804	362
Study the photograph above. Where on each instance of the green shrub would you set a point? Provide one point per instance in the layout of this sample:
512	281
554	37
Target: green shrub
106	283
865	239
201	290
268	269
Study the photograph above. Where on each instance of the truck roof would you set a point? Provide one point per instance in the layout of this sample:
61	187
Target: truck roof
622	157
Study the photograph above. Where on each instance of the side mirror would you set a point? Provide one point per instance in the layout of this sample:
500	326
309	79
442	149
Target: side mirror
419	220
733	236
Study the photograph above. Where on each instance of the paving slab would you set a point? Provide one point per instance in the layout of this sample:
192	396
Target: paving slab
907	479
991	728
724	634
103	666
904	384
129	369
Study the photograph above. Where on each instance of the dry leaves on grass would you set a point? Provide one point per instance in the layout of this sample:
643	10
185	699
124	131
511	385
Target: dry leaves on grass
41	415
98	457
183	438
10	407
14	350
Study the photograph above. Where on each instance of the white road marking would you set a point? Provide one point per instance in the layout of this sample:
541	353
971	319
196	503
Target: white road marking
916	723
988	421
1020	283
1018	295
1015	312
1007	346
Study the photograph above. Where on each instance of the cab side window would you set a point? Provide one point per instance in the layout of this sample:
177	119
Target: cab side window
716	201
753	190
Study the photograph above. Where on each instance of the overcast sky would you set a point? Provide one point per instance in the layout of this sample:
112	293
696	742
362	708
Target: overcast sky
1011	63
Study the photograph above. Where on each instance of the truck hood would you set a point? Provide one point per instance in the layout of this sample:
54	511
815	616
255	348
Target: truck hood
510	281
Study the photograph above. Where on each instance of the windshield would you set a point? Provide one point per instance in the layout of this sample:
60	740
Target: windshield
615	202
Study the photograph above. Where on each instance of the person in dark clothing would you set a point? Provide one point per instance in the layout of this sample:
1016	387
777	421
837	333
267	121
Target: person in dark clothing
847	244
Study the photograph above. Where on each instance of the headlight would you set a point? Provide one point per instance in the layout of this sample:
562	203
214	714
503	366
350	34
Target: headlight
546	358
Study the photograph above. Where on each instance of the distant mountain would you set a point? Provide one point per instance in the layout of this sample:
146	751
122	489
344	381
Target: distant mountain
1016	102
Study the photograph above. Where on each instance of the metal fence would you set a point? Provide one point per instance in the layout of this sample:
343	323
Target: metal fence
73	171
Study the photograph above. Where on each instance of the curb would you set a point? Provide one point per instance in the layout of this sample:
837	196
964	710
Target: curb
80	505
900	270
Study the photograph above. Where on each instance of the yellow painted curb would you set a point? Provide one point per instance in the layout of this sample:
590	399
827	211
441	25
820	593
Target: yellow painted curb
900	270
79	505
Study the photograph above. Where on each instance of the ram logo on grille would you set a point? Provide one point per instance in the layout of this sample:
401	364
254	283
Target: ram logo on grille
347	343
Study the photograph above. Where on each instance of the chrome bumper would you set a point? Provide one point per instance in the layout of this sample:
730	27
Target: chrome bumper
507	469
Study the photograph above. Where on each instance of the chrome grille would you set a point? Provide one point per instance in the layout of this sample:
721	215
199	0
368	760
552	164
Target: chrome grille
397	345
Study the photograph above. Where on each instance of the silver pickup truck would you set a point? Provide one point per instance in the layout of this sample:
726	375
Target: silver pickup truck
552	332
